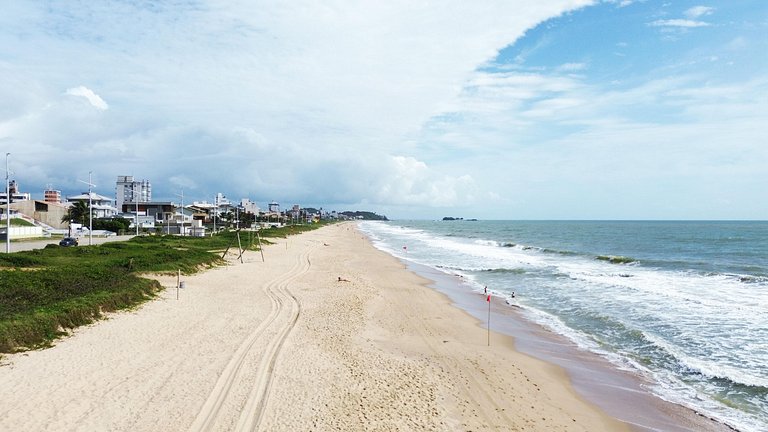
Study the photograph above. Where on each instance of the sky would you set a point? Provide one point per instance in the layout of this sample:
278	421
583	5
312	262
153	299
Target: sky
507	109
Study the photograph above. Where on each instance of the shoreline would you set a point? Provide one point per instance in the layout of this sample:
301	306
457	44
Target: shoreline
613	392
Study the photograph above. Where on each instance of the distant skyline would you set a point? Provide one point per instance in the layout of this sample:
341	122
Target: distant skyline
562	109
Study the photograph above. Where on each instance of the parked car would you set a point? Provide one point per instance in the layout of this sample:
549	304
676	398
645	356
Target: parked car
68	241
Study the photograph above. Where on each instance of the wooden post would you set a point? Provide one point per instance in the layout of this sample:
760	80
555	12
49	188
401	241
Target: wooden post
240	246
178	283
261	249
227	249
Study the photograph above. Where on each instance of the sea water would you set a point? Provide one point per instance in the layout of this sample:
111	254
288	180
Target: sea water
684	304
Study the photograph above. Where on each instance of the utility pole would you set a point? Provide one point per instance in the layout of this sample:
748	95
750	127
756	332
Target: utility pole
90	207
137	209
90	210
7	206
182	211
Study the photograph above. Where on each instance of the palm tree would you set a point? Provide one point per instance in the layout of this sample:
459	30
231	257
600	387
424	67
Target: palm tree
77	212
228	218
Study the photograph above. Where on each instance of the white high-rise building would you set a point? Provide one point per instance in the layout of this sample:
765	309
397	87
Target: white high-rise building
222	201
249	206
130	191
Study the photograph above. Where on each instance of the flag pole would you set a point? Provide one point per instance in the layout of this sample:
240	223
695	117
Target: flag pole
489	319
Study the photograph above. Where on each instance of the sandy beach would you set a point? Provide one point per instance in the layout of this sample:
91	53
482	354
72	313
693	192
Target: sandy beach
283	344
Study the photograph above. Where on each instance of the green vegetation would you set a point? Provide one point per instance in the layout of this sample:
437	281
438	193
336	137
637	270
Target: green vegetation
77	212
17	222
116	225
44	292
364	215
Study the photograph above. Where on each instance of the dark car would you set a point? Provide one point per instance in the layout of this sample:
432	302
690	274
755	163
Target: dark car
68	241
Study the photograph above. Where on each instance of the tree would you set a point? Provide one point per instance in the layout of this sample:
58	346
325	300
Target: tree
247	219
77	212
227	218
117	225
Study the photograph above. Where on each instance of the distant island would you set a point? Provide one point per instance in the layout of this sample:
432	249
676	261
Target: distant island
448	218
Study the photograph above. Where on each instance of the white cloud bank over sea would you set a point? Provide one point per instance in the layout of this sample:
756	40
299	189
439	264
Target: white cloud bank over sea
501	109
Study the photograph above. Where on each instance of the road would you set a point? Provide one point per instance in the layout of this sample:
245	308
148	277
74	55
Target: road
39	244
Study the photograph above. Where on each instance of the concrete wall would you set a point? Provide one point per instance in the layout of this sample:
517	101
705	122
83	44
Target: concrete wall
22	232
47	213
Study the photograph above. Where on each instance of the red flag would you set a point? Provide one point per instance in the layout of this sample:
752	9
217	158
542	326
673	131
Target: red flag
489	298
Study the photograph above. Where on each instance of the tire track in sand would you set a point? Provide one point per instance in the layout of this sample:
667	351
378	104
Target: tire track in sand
250	416
279	295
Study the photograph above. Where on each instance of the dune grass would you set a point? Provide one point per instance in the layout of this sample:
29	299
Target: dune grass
18	222
45	292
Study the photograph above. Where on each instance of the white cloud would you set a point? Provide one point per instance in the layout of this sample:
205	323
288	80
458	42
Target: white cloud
344	102
303	100
620	144
88	94
693	14
678	23
408	181
572	67
738	43
551	107
621	3
698	11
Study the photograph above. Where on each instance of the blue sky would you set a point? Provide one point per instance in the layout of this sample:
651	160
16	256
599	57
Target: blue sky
566	109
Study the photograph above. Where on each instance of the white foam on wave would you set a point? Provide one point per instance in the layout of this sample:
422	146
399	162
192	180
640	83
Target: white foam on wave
667	384
711	316
670	387
486	254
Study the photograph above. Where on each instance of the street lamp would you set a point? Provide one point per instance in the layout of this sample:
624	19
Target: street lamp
7	206
182	211
135	200
137	217
215	210
90	208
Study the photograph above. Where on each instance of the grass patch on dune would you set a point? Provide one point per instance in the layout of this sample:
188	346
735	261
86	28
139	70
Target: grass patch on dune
46	292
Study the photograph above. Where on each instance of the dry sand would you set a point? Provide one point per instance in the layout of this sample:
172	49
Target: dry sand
283	345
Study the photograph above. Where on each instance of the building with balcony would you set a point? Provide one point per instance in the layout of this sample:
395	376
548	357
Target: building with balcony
249	206
102	206
128	190
51	195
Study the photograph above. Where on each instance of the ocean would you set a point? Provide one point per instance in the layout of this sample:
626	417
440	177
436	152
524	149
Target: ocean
682	304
